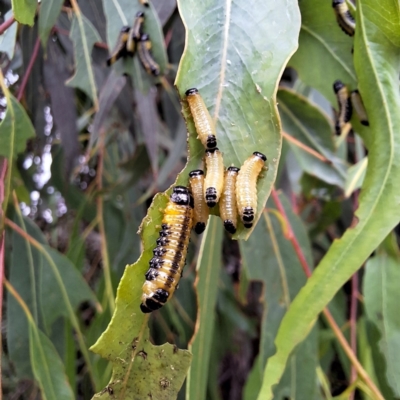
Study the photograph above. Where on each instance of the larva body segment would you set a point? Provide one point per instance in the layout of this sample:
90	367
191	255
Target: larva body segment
227	204
120	47
135	33
202	119
344	103
201	212
214	180
246	187
359	108
145	56
343	17
169	258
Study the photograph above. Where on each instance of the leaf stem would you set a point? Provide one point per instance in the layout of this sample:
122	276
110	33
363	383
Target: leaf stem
332	323
6	24
28	70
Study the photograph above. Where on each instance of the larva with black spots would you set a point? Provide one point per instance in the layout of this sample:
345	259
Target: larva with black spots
343	17
169	257
246	187
120	47
202	119
344	103
145	56
135	33
227	204
359	108
201	212
214	180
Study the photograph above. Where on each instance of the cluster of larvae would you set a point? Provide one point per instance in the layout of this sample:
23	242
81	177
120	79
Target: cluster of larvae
132	39
234	189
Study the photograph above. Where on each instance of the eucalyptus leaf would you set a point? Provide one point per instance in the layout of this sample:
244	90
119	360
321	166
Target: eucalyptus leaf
24	11
8	38
49	12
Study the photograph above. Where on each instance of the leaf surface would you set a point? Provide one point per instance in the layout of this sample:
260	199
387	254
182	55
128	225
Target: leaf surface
236	64
24	11
49	11
8	38
376	62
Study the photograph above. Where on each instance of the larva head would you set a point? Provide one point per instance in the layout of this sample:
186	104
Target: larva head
233	169
125	29
260	155
211	142
182	196
211	197
229	226
145	37
199	227
337	2
338	85
191	92
196	172
140	14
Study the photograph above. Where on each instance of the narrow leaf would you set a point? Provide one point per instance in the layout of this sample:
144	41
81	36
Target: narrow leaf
15	129
84	36
49	11
208	272
236	64
381	294
355	176
7	39
24	11
376	61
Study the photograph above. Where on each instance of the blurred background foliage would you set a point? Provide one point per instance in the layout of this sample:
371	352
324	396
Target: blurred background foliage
85	148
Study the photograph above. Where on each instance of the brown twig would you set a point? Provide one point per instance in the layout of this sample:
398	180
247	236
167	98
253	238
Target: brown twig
6	24
304	147
28	70
332	323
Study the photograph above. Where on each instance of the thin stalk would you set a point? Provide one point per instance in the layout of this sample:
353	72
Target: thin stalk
328	316
28	71
6	24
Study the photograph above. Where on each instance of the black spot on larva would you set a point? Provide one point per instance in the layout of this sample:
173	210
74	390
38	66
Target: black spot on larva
211	142
159	251
162	241
182	196
161	295
337	85
229	226
191	92
151	274
260	155
248	214
248	225
235	169
211	196
196	172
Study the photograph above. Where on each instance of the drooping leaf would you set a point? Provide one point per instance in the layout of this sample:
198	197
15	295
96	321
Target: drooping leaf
376	62
308	124
381	294
140	368
49	11
47	367
84	36
7	39
15	129
24	11
236	64
208	264
324	53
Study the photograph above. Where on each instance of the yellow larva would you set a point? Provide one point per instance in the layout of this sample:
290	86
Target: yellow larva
169	258
343	17
120	48
227	204
344	103
214	181
202	119
246	187
145	56
201	212
359	108
135	33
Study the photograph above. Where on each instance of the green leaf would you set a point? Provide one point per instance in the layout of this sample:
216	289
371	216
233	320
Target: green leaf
15	129
24	11
269	257
159	370
208	272
381	294
84	36
355	177
48	367
49	12
7	39
376	62
308	124
236	63
324	53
